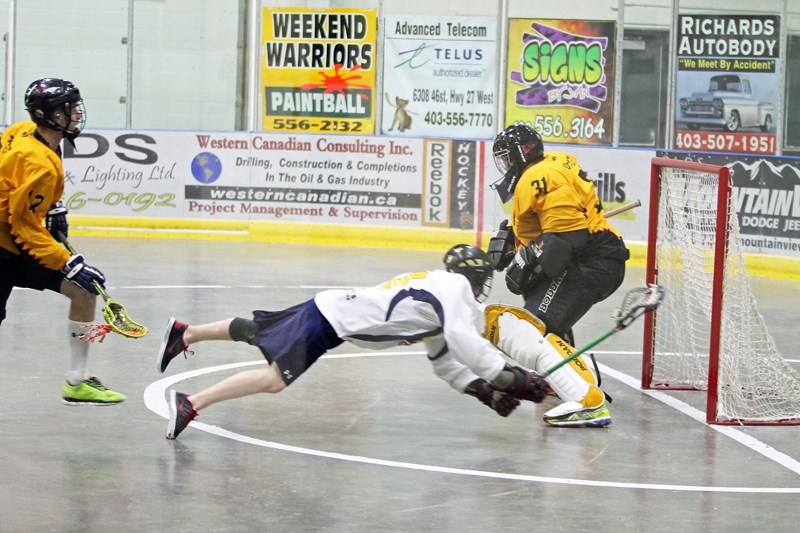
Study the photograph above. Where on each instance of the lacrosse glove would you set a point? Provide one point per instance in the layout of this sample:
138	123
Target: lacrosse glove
500	402
82	274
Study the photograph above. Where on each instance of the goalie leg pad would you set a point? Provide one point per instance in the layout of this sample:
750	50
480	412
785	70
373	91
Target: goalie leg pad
519	337
493	312
518	334
579	364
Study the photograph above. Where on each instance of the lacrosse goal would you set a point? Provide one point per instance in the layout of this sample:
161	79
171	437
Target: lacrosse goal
708	333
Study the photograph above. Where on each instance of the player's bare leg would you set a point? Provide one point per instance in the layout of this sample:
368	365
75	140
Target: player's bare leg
183	408
247	383
214	331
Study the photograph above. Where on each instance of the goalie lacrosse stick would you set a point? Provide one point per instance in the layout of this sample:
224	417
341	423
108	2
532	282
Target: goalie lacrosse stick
621	209
117	319
637	302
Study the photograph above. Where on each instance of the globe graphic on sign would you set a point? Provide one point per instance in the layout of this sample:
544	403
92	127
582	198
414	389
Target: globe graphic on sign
206	167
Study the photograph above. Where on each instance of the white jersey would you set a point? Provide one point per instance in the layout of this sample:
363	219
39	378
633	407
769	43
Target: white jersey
435	307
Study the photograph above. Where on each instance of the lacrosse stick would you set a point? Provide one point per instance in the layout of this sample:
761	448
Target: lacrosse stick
117	319
623	208
637	302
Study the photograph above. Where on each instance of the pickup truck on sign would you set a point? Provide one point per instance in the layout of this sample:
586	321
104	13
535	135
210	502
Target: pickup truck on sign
728	104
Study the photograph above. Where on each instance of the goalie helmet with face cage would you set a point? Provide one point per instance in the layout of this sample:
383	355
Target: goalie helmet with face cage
50	100
474	264
514	148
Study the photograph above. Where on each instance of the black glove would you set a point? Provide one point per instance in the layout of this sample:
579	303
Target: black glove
529	386
521	384
501	246
500	402
82	274
56	221
524	271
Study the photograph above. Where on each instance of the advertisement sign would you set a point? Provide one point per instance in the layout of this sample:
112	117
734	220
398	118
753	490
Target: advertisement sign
727	83
318	70
560	79
125	173
260	176
451	179
376	181
440	76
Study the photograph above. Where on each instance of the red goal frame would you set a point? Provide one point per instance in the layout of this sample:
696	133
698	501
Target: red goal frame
723	246
651	275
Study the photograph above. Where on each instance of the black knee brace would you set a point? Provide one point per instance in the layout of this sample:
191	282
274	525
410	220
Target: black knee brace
243	329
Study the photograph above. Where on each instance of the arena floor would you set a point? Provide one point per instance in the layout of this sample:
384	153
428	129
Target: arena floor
364	442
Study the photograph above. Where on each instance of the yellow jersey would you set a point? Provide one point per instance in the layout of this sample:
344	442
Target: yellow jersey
31	180
555	195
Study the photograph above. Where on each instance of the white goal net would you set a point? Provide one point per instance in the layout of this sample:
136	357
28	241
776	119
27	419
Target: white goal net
708	333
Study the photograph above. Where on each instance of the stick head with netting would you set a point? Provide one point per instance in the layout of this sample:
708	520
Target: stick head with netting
118	320
637	302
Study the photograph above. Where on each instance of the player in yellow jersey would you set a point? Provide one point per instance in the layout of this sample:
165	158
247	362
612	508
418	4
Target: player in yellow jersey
560	253
33	219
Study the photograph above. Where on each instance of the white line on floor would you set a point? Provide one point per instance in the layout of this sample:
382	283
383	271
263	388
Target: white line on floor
155	400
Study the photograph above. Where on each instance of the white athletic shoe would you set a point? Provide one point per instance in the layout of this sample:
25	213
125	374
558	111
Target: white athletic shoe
575	414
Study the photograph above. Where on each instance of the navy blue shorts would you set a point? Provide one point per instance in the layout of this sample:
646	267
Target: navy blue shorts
294	338
24	271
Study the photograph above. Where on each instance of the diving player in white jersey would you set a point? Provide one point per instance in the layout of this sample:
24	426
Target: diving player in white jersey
440	308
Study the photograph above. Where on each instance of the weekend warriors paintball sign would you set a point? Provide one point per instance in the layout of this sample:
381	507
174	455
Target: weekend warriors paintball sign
560	79
318	70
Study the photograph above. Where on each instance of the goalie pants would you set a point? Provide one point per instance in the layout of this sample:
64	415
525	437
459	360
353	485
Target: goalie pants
593	277
24	271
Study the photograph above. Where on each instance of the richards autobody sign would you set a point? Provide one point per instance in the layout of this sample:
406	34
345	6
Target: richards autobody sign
262	176
318	70
727	83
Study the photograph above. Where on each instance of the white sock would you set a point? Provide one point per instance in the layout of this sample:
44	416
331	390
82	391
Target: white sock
78	352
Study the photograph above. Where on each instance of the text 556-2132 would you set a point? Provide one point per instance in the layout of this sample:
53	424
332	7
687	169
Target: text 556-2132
293	124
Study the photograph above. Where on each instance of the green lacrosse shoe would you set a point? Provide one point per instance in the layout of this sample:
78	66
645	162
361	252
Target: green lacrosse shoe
90	392
576	415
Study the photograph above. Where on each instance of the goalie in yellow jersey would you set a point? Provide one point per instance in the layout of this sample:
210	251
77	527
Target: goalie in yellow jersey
560	253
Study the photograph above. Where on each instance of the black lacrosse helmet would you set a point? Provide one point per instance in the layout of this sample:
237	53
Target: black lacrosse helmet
474	264
47	96
515	148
